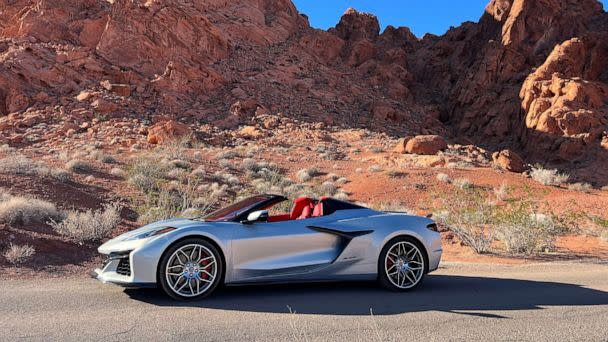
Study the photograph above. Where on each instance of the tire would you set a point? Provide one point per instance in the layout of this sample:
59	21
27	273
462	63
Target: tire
407	253
190	269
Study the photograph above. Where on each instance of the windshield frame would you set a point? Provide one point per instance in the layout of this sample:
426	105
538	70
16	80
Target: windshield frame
238	211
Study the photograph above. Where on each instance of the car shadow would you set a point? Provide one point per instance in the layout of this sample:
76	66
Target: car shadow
471	295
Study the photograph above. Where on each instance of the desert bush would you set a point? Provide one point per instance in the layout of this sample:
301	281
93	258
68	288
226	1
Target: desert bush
89	225
581	187
102	157
225	163
118	172
332	177
375	168
524	231
21	165
188	199
471	218
341	181
61	175
395	174
146	174
304	175
79	166
179	164
604	235
548	177
341	195
442	177
15	209
604	188
376	149
19	254
462	183
328	188
226	155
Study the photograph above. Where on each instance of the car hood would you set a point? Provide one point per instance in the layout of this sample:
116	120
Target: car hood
125	242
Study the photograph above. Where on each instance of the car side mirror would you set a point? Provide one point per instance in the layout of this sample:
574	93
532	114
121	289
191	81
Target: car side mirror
256	216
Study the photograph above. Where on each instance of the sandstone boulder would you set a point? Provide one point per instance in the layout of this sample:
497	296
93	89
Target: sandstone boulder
426	144
400	147
171	130
508	160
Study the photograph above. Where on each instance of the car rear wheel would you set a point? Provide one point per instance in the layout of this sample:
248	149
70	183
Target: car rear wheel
402	264
190	269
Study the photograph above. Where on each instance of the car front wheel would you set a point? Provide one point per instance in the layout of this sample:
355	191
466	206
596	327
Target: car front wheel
402	264
190	269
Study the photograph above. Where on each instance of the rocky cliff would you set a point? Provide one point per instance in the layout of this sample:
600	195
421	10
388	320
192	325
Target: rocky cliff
530	75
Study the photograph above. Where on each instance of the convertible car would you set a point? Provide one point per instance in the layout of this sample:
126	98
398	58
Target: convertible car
318	240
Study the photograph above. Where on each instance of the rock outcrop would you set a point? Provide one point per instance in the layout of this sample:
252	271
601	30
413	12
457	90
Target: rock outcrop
530	76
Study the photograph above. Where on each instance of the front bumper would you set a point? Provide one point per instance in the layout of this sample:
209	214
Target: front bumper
116	270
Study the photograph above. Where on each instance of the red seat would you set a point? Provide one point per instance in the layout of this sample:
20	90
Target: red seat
318	210
305	213
299	205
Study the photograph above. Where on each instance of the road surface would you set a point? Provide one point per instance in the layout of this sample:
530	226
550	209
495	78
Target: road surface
542	302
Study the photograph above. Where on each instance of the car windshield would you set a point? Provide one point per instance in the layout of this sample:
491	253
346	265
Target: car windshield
230	212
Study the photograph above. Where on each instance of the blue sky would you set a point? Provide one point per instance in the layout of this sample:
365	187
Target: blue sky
421	16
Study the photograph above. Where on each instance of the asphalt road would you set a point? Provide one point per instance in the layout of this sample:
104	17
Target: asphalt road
543	302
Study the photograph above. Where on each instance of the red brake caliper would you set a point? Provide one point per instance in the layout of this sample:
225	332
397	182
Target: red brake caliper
204	264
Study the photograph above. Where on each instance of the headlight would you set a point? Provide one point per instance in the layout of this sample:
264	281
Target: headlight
157	232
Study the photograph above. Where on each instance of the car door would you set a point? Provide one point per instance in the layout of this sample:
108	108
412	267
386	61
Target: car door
280	250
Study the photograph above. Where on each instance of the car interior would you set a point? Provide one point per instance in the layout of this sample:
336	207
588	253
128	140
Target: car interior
302	208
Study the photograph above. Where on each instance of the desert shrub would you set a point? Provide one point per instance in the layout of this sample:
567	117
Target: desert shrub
341	181
375	168
179	164
15	209
471	218
102	157
328	188
341	195
604	235
79	166
225	163
304	175
146	174
548	177
462	183
332	177
581	187
442	177
524	231
395	174
21	165
19	254
89	225
186	200
61	175
376	149
118	172
604	188
226	155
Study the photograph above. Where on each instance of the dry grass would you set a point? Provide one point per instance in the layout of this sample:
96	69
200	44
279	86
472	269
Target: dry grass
19	254
89	225
580	187
442	177
502	192
21	165
79	166
23	210
548	177
462	183
304	175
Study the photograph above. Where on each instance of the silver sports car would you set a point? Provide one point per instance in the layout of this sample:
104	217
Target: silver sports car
318	240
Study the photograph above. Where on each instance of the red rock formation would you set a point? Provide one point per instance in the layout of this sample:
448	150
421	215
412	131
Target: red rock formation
531	75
